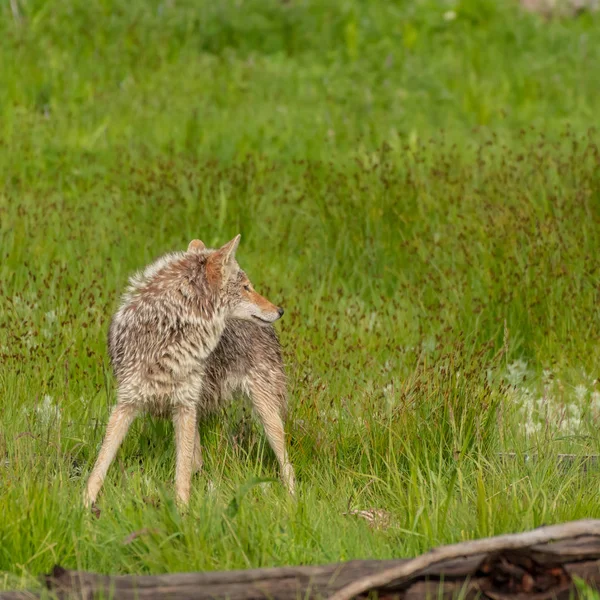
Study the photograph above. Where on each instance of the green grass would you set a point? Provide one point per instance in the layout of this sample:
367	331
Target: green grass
422	195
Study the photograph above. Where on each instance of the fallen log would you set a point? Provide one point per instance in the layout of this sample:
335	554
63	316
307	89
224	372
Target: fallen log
539	564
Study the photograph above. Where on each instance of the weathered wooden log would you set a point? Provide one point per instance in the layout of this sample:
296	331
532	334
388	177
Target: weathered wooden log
519	566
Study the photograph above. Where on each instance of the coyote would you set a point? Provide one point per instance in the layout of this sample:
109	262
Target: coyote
191	331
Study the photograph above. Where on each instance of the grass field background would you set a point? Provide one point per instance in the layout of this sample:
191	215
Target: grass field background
417	183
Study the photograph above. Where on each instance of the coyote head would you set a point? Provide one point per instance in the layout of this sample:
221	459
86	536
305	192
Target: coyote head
232	286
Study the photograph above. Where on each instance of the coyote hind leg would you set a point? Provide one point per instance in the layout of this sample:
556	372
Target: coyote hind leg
198	462
269	400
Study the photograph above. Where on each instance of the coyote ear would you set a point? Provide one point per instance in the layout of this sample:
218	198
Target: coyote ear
227	252
220	263
196	245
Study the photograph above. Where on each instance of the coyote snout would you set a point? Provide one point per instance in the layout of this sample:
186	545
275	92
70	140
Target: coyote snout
190	331
254	306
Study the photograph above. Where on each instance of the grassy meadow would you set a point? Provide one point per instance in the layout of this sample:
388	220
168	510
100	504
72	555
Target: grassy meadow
416	183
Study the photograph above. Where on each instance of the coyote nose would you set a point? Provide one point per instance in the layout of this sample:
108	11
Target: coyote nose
280	311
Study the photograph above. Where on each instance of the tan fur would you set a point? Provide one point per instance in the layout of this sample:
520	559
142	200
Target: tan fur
189	333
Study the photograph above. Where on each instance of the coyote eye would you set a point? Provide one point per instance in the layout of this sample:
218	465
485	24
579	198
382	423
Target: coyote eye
247	287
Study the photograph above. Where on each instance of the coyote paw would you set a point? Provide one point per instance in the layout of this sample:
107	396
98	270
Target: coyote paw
88	501
289	478
198	462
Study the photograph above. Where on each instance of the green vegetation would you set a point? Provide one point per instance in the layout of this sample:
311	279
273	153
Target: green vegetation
417	183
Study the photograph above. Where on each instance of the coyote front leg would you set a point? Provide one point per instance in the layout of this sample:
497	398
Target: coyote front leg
119	422
184	419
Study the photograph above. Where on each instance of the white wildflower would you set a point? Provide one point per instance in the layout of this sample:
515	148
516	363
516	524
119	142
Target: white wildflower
532	428
580	392
372	320
570	425
47	411
517	371
449	15
527	402
429	345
